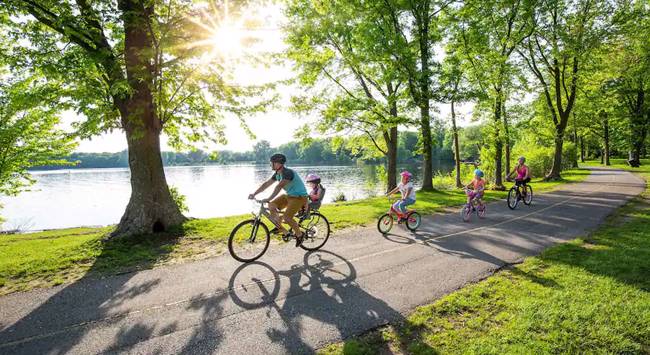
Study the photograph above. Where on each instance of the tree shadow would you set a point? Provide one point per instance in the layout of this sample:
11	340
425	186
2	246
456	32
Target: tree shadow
65	315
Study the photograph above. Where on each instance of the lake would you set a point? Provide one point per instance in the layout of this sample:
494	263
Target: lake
97	197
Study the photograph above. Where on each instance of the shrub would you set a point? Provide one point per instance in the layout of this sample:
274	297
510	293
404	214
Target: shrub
179	199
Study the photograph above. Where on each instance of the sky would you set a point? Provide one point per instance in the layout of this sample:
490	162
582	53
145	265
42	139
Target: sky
276	126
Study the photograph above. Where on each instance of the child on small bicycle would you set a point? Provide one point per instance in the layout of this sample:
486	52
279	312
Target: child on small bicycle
406	188
316	193
523	173
476	187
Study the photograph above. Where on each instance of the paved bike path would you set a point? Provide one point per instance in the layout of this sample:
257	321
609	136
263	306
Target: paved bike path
295	302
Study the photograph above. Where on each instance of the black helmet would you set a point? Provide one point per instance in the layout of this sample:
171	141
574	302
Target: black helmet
278	158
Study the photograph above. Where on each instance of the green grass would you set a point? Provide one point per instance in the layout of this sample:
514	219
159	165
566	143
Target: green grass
54	257
590	295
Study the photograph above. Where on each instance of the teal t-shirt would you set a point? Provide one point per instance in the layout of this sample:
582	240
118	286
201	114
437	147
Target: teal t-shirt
295	187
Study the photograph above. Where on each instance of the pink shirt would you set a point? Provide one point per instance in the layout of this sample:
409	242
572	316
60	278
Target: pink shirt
522	171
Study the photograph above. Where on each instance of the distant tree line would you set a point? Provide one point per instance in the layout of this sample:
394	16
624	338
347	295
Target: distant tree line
313	151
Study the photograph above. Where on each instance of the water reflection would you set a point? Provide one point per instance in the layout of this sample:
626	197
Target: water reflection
90	197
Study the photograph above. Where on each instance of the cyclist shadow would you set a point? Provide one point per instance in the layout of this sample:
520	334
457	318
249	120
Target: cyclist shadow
322	293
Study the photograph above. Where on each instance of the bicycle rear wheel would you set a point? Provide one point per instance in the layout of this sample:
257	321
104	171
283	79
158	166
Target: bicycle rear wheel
385	223
529	195
316	231
248	240
513	198
413	221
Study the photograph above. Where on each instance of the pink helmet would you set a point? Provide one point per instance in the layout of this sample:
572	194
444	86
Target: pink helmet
312	177
407	174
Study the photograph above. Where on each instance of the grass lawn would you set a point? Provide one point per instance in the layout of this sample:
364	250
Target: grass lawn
590	295
55	257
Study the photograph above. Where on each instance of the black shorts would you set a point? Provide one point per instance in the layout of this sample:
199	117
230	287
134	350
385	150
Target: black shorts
522	182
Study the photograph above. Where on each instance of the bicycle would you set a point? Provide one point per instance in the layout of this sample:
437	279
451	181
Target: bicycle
250	239
475	204
386	221
515	195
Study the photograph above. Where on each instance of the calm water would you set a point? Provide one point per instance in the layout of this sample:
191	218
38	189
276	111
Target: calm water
92	197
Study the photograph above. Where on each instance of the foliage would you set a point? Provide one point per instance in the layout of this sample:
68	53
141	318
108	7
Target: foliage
29	135
179	199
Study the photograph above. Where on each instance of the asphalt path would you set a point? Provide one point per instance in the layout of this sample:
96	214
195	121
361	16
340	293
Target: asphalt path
296	302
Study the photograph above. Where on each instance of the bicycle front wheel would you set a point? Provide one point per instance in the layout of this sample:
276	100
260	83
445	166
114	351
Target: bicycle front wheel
513	198
413	221
316	231
249	240
466	212
385	223
529	195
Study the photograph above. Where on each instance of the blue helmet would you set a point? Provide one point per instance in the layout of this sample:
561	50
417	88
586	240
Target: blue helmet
478	173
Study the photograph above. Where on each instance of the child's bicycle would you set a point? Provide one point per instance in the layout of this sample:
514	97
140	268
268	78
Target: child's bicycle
515	195
475	204
411	218
249	239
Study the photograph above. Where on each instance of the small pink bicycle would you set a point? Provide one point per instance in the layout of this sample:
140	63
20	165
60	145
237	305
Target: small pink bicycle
475	204
411	219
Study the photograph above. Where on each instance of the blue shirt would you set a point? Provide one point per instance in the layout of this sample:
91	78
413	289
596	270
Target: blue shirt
295	187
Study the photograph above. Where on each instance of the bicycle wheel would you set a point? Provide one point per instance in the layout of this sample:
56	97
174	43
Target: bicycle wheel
480	210
248	240
317	231
513	198
413	221
529	195
466	212
385	223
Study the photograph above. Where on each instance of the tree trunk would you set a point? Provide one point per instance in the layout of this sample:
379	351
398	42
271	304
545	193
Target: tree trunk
390	137
507	137
456	146
554	174
151	207
639	129
498	144
425	117
582	149
606	140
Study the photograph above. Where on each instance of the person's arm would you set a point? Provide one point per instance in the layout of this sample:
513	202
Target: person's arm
392	191
277	189
319	193
262	187
527	173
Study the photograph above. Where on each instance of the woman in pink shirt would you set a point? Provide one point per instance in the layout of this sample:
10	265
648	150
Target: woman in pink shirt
523	173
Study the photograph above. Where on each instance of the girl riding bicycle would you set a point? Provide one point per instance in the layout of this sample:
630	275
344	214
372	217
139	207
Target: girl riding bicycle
406	188
523	173
476	187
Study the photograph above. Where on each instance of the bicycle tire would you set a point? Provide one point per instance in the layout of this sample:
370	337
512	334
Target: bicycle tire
529	195
466	213
232	243
385	223
513	199
315	217
413	221
481	210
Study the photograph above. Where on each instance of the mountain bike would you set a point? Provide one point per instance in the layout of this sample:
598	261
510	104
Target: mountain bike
475	204
515	194
411	219
250	239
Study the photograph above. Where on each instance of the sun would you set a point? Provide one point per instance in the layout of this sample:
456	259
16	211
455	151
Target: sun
227	39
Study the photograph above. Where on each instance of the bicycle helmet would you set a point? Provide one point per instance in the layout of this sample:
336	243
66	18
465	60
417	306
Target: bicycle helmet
407	174
478	173
522	159
278	158
313	178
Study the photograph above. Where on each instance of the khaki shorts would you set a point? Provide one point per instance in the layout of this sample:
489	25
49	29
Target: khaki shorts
290	204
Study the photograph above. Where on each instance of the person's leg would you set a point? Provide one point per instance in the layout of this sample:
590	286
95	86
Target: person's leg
275	206
293	205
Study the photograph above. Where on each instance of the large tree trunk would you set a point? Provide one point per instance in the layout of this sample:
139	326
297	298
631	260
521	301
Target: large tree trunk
638	128
425	116
151	207
582	149
498	144
456	146
390	137
556	169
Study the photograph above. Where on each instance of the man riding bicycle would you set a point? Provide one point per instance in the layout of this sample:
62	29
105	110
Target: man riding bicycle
291	202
